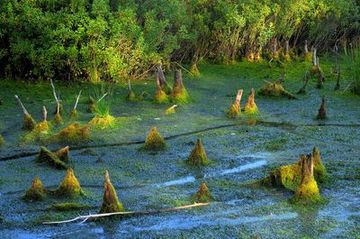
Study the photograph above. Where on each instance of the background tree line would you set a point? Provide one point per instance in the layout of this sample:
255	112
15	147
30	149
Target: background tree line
113	40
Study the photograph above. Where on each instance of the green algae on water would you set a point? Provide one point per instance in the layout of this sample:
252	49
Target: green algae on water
68	206
37	192
111	203
198	155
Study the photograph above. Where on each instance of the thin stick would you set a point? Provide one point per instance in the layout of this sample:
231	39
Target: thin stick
77	100
102	97
44	113
92	216
129	85
22	105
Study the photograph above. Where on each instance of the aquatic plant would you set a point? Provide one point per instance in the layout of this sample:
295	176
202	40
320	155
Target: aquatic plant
198	155
70	185
50	158
308	191
154	140
179	93
250	106
235	108
102	119
203	194
74	132
37	191
111	203
322	110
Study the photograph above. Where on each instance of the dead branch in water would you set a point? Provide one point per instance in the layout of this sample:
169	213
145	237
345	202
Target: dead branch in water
77	100
130	213
102	97
56	97
22	105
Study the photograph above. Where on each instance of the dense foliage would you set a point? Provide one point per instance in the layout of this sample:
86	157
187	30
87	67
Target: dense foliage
120	39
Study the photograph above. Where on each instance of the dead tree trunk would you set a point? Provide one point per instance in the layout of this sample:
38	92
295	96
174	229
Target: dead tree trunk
29	122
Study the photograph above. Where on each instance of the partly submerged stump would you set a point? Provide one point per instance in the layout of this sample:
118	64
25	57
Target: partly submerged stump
37	191
275	89
162	80
63	154
154	141
235	109
179	93
70	186
111	202
28	123
308	190
250	106
50	158
322	110
160	95
203	194
198	155
320	173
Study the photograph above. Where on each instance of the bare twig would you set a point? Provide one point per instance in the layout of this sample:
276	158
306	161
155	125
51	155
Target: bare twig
56	97
93	216
22	105
102	97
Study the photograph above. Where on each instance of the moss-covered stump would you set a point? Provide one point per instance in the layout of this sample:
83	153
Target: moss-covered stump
320	173
154	141
70	186
235	109
308	191
322	110
275	89
179	93
29	122
103	121
250	106
198	155
91	105
111	203
131	96
171	110
58	119
203	194
50	158
37	192
63	154
161	97
74	132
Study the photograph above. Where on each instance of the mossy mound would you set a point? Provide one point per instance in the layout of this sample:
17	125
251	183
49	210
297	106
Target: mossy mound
308	190
198	155
161	97
50	158
63	154
58	119
250	106
154	141
111	203
103	122
179	93
308	57
203	194
74	114
234	111
37	192
131	96
39	133
74	132
275	89
320	173
68	206
29	122
70	185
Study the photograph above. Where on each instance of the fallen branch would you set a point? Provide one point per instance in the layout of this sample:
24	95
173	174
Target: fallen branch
130	213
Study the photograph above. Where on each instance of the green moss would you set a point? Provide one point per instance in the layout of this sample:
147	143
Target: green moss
2	140
320	173
180	95
198	155
203	194
194	70
275	89
37	192
68	206
74	132
288	176
29	122
154	141
111	203
308	56
103	121
131	96
161	97
50	158
70	185
250	106
91	105
234	111
58	119
39	133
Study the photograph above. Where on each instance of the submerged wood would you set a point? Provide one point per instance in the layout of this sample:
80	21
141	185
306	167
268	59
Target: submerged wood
129	213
